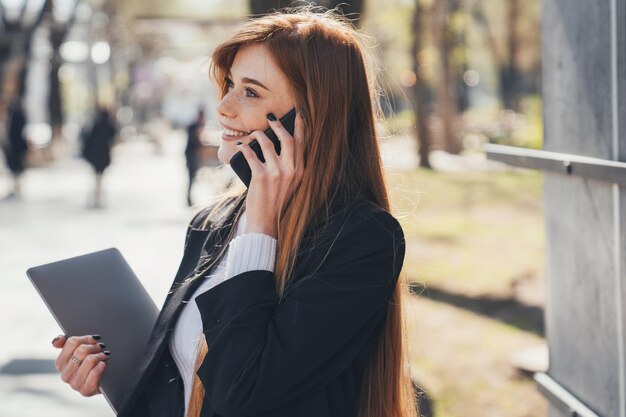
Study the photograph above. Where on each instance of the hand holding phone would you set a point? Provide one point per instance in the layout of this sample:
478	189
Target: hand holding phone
238	162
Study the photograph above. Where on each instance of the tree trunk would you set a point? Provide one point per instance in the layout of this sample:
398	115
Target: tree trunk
55	99
58	33
19	35
447	111
509	75
418	91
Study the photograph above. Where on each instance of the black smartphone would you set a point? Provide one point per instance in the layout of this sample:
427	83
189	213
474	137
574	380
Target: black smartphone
238	162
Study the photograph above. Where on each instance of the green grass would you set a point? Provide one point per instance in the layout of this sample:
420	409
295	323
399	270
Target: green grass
473	232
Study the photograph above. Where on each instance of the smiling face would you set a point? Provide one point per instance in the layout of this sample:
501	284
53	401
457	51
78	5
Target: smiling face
256	87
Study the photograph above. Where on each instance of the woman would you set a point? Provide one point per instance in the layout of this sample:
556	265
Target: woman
16	147
285	303
97	148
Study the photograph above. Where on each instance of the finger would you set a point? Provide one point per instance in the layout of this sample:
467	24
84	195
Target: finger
71	368
255	163
92	383
59	341
269	151
85	350
71	344
78	380
285	138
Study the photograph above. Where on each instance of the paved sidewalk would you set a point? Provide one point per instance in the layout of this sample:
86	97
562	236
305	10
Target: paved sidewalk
145	216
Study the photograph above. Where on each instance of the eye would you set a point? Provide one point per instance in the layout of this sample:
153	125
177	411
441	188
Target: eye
251	93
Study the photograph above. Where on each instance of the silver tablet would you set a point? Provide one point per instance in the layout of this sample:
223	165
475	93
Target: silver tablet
98	293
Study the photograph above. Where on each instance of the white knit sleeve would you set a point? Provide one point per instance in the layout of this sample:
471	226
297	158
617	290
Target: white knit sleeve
250	252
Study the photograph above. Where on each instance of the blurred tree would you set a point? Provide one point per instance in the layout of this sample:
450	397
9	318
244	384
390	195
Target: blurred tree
419	94
447	100
18	27
509	74
60	25
510	90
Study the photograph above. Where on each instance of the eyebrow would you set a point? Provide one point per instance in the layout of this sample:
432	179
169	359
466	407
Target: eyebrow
251	81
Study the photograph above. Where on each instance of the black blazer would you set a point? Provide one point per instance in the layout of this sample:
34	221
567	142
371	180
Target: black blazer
302	356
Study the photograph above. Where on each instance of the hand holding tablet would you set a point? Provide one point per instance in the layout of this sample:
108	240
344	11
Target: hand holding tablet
97	294
82	362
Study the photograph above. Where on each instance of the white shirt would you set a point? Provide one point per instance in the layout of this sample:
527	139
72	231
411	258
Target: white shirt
245	252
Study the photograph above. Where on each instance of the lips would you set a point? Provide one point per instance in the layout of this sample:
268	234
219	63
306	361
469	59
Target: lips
232	132
229	137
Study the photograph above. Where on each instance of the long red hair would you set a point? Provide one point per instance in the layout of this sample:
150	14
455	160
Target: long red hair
326	62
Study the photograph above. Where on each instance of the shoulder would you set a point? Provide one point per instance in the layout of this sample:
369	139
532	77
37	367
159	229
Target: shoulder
361	228
361	239
364	217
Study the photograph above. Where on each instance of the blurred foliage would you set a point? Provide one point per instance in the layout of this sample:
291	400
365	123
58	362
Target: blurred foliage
487	41
457	224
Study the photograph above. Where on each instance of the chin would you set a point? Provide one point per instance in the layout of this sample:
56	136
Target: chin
226	152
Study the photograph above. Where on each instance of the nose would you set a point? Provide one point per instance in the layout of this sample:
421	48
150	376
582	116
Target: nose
226	108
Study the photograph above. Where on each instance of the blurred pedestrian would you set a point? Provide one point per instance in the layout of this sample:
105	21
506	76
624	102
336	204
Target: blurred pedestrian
97	144
192	150
16	147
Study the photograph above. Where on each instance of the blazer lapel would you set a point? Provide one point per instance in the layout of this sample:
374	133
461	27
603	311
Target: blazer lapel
179	295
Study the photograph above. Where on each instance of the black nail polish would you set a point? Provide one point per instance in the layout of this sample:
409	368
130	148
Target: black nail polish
106	352
102	345
96	337
271	117
55	339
